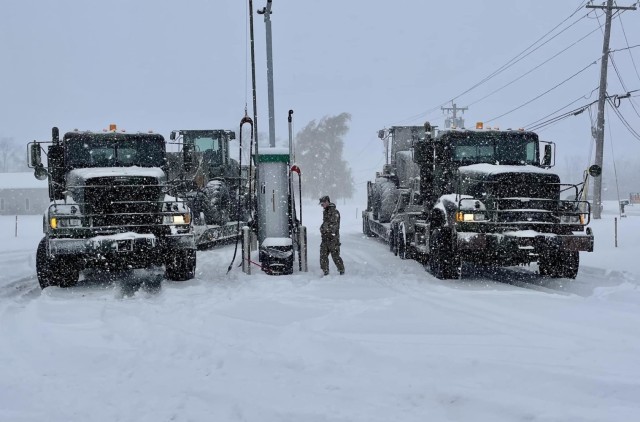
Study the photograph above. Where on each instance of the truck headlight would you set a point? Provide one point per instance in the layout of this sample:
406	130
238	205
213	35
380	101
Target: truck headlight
59	223
462	216
177	219
573	219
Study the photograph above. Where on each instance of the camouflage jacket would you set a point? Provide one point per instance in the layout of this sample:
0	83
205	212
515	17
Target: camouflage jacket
330	228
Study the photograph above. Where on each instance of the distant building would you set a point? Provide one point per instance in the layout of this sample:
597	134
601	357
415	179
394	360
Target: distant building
21	193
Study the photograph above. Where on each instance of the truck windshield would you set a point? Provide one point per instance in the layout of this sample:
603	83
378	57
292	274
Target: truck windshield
115	151
206	143
492	148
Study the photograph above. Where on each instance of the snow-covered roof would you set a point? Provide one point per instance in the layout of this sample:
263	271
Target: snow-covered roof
274	151
21	180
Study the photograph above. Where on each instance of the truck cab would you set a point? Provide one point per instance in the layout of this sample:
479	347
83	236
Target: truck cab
110	207
490	198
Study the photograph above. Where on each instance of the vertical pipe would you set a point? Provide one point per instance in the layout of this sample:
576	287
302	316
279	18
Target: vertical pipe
253	77
615	230
303	249
272	129
16	226
246	250
292	204
253	177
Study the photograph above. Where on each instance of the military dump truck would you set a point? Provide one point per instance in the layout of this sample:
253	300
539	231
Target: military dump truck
110	207
214	186
488	197
393	200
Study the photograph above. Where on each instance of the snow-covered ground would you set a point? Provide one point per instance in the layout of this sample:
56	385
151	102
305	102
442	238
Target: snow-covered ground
386	342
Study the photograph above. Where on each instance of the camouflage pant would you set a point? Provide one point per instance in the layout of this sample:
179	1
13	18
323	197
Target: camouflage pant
333	249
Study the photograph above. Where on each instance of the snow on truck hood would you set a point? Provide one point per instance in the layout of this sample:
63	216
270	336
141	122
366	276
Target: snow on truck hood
89	173
498	169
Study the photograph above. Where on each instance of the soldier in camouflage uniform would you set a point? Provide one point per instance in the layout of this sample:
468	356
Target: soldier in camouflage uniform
330	233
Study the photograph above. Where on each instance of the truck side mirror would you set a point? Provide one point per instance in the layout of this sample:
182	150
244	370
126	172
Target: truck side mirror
35	155
172	135
232	135
35	161
548	156
40	172
381	134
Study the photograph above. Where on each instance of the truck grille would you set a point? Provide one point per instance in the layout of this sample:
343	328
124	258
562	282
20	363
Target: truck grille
131	201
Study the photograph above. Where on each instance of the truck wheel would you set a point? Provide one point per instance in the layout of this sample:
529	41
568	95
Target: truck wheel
57	271
444	259
571	262
365	227
563	264
181	265
399	247
392	243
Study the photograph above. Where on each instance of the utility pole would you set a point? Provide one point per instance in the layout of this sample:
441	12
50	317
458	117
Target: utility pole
597	185
266	11
454	121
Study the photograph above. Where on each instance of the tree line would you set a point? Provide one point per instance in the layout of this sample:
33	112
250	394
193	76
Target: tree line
319	153
12	156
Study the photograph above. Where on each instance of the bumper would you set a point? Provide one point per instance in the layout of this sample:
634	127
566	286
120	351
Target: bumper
527	242
121	244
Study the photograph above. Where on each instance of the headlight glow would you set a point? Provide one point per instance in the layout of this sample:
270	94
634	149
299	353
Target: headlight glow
59	223
467	217
177	219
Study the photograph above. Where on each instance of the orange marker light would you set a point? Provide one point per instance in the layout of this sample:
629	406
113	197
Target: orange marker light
479	125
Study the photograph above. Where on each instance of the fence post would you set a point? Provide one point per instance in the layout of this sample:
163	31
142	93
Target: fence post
615	222
16	226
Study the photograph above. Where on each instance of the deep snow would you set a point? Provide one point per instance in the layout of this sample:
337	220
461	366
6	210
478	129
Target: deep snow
386	342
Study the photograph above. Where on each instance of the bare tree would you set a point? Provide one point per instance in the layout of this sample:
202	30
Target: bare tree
319	148
11	156
6	151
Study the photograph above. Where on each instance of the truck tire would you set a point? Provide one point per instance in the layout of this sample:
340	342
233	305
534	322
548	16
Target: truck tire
181	265
398	248
56	271
392	242
562	264
401	246
365	227
444	259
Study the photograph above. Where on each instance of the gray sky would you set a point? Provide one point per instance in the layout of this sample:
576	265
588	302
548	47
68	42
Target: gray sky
163	65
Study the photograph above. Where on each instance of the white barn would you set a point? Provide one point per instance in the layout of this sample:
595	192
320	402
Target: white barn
22	194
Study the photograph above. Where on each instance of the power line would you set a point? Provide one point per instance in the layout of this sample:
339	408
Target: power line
541	120
508	64
533	69
563	116
615	67
522	54
625	123
624	49
544	93
629	49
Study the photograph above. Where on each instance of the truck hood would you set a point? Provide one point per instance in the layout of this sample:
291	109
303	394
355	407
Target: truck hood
79	177
509	181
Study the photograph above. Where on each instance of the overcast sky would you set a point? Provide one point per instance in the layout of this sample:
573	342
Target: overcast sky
162	65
